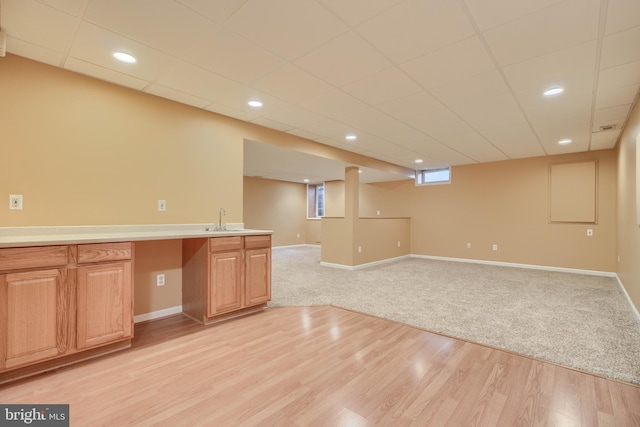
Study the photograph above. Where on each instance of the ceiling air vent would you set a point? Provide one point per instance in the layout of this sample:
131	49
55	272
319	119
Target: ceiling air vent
605	128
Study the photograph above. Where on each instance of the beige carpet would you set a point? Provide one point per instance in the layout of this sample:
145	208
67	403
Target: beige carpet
575	320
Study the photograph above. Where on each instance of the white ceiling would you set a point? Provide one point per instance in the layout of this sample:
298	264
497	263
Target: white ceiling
449	81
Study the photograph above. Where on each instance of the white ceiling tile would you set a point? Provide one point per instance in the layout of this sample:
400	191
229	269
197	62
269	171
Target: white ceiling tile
516	141
344	60
291	84
432	152
231	112
444	126
96	45
618	96
579	145
384	86
553	69
175	95
490	112
557	27
332	129
576	97
411	109
37	24
168	26
196	81
622	15
483	85
295	116
333	103
217	11
106	74
604	140
462	60
294	27
32	51
610	116
491	13
305	134
71	7
620	76
354	12
416	27
272	124
225	53
621	48
574	125
373	121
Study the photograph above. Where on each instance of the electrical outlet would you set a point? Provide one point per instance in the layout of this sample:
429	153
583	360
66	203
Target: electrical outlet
298	235
15	202
398	243
160	280
495	247
162	205
378	212
468	245
359	249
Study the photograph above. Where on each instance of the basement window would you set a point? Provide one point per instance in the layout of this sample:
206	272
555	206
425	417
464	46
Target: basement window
432	176
315	201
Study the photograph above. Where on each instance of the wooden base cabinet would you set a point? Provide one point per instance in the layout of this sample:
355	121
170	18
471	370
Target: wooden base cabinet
56	302
104	304
34	316
224	277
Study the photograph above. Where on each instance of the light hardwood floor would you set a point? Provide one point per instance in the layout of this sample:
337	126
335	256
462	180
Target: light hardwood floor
321	366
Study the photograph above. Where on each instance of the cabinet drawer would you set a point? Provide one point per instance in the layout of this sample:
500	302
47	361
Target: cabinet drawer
99	252
221	244
38	257
261	241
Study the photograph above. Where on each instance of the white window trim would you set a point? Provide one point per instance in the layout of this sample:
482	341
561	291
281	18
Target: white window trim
420	173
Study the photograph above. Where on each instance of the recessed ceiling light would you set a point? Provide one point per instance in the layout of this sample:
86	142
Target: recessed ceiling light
553	91
306	180
351	137
565	141
124	57
255	103
418	161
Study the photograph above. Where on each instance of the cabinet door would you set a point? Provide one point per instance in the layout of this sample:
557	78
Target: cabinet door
33	316
258	276
105	312
225	283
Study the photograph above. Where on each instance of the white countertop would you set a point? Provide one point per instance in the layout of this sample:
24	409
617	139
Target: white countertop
11	237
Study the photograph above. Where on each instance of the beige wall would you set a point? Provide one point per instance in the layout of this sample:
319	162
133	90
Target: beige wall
334	198
152	258
314	232
82	151
276	205
628	231
506	203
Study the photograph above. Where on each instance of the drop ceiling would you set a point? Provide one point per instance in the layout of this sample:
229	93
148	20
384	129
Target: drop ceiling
447	81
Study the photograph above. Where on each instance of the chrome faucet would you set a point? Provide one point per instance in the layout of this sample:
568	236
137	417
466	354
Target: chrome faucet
222	212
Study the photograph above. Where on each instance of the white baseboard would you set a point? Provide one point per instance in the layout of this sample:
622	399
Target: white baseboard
157	314
624	291
516	265
359	266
